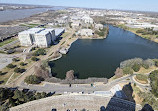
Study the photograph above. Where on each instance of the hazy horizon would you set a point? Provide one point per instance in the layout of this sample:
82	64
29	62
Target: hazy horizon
141	5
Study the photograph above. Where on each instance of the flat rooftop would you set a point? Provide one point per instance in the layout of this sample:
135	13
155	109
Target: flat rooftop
32	31
44	32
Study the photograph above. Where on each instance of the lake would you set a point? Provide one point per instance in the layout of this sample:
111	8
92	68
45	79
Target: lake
100	58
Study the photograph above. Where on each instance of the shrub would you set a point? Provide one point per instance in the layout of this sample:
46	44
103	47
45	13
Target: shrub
33	79
34	59
22	64
39	52
15	59
11	66
136	67
19	70
127	70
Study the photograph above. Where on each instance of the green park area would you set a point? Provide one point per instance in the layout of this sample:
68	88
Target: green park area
147	33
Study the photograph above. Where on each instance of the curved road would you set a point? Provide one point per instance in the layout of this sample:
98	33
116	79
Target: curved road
86	88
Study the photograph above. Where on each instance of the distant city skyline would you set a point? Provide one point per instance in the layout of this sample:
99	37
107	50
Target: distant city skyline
140	5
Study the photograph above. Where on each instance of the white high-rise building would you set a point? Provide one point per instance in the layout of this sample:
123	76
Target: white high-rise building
27	37
37	36
43	38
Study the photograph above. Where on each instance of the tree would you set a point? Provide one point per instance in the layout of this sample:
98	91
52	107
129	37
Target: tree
43	94
15	59
38	96
42	69
34	59
11	66
70	75
154	82
10	97
33	79
1	73
22	64
156	63
136	67
44	73
127	70
11	102
19	70
119	72
17	94
146	66
148	63
39	52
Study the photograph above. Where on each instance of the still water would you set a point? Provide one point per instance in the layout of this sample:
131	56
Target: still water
8	15
100	58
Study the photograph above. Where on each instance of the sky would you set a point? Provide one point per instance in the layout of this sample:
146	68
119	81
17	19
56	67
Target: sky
140	5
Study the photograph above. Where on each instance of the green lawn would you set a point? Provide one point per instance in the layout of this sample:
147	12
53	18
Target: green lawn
150	37
30	25
65	34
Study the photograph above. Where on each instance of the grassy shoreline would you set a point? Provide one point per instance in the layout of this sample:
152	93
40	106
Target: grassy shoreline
133	30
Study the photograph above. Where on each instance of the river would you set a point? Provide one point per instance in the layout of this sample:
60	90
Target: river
100	58
8	15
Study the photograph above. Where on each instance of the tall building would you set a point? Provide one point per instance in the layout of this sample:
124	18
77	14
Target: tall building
37	36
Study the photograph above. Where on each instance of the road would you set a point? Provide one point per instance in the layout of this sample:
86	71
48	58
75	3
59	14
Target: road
86	88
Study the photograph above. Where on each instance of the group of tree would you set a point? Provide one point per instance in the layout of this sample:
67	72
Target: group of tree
33	79
154	82
10	97
41	72
147	31
39	52
137	63
42	69
133	65
101	32
148	98
19	70
34	59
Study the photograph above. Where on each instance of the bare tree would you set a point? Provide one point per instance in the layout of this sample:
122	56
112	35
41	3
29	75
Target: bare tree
119	72
70	75
41	71
56	54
